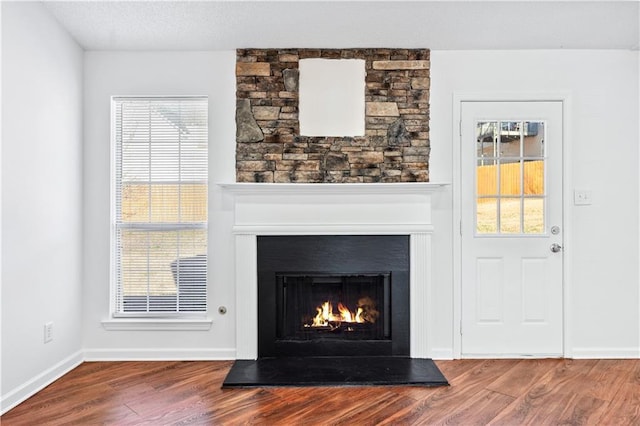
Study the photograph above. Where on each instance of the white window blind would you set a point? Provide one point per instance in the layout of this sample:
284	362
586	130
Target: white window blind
161	173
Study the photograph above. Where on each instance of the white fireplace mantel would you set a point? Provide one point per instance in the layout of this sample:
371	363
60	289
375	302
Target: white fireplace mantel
332	188
331	209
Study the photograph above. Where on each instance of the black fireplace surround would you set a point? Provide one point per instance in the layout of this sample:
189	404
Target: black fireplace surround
333	295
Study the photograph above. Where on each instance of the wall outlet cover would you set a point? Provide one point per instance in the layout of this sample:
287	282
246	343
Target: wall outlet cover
48	332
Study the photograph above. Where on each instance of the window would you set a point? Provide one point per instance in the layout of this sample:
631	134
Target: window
160	206
510	174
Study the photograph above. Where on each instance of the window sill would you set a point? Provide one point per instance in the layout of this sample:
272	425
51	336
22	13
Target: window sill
153	324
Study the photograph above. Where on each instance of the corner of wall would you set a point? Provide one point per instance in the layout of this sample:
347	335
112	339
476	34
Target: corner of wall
35	384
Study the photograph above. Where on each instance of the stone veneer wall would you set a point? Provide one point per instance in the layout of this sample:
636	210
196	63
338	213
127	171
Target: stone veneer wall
395	147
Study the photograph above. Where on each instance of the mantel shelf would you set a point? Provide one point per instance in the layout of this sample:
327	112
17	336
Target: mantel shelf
332	188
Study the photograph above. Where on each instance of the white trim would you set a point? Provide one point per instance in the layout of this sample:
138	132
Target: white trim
442	353
323	229
157	324
112	207
160	354
458	99
332	209
606	353
331	188
456	139
512	356
39	382
420	291
246	286
567	223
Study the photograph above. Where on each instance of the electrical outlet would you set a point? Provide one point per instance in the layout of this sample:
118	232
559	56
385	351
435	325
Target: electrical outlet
48	332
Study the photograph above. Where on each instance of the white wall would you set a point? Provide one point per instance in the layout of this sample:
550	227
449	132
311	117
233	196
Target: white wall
41	199
164	73
603	312
602	85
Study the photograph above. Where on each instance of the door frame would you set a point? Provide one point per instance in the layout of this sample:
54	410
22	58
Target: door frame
567	184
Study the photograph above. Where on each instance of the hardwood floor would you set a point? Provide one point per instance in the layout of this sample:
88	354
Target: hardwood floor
500	392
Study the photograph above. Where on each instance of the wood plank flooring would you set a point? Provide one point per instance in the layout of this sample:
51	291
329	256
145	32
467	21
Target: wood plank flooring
497	392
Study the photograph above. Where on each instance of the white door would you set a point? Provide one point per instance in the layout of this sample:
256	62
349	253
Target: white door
511	211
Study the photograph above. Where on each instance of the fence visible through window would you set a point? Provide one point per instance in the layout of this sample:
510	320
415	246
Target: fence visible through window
510	177
161	174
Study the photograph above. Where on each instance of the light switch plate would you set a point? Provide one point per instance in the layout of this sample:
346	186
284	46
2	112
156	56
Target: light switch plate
582	197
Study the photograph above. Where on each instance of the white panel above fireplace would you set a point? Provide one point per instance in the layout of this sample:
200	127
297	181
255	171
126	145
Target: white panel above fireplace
394	208
331	209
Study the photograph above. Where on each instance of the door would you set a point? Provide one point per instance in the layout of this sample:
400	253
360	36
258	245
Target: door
511	226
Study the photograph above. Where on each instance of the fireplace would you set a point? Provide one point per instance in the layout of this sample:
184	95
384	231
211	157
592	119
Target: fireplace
333	295
262	211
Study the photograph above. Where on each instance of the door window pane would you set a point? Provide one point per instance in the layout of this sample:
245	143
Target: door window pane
534	139
510	177
487	215
534	177
510	140
510	216
510	181
487	139
533	215
487	177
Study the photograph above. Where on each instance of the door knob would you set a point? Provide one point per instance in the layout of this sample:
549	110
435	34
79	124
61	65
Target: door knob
555	247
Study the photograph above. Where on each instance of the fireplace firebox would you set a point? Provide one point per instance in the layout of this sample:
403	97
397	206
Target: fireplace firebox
333	295
320	306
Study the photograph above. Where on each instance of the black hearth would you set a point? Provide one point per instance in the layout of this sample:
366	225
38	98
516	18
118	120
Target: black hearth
333	295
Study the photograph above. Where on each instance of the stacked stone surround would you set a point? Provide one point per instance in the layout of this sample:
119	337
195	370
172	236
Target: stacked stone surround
395	147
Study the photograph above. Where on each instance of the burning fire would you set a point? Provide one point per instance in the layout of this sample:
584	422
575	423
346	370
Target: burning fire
325	317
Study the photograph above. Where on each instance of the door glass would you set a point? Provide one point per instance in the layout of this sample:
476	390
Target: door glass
487	178
487	215
533	141
510	141
487	137
510	177
533	215
510	215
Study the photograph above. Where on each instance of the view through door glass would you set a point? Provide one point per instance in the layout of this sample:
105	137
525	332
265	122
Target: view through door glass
510	176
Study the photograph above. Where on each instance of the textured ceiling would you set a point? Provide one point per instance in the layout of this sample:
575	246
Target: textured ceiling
439	25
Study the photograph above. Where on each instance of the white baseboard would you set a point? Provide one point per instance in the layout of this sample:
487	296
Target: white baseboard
441	353
576	353
605	353
160	354
39	382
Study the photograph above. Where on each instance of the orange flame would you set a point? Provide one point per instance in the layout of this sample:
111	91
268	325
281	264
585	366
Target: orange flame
325	316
